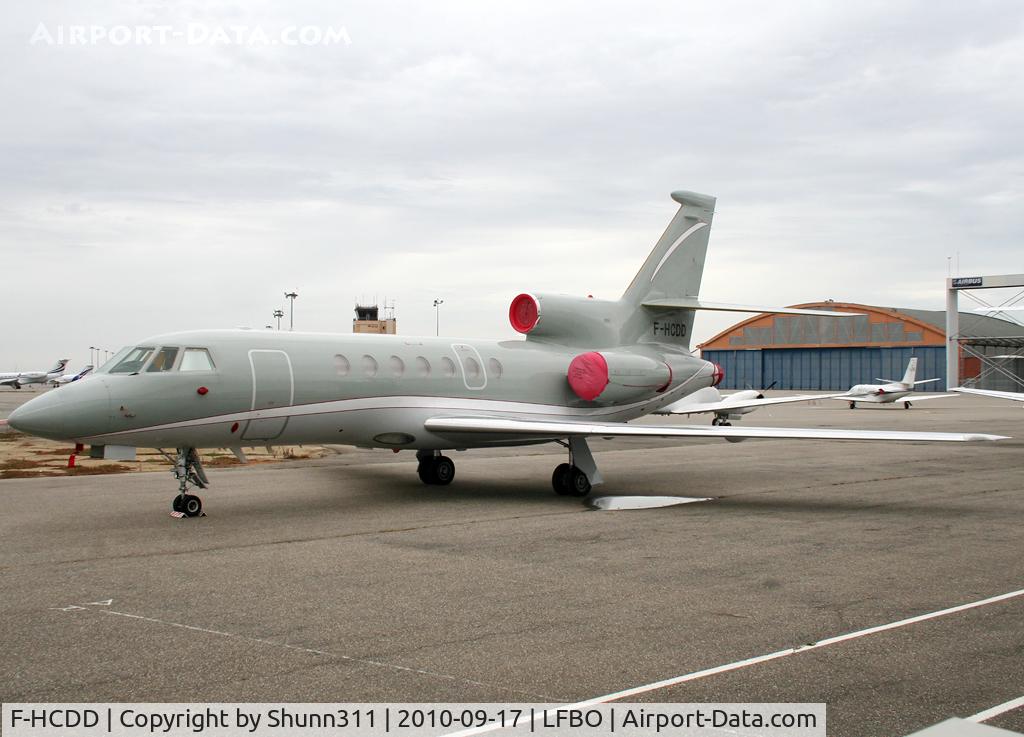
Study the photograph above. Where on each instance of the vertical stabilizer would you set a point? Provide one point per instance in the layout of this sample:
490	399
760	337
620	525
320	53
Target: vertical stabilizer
673	269
908	378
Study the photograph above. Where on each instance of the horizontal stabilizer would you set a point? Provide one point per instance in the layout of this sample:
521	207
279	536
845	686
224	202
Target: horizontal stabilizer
1012	396
694	303
553	429
926	381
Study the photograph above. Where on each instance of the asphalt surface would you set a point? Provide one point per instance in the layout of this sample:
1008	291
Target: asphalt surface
346	579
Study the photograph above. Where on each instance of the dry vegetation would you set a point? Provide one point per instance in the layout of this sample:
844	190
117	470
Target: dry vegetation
24	456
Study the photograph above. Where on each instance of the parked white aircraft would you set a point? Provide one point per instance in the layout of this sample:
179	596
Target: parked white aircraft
585	368
733	406
1012	396
891	391
68	378
18	379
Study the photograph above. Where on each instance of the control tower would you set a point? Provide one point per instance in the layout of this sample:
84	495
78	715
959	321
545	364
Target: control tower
373	319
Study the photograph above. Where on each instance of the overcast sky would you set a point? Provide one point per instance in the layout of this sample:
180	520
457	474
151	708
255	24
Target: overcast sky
470	151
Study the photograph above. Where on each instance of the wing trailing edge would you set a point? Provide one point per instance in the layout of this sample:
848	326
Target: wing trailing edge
553	429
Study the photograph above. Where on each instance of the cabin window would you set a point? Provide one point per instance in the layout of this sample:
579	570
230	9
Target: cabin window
341	365
134	361
396	366
162	361
422	367
196	359
447	367
472	368
369	365
494	368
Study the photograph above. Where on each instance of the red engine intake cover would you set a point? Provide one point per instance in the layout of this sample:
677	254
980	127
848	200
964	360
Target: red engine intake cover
524	312
588	375
718	375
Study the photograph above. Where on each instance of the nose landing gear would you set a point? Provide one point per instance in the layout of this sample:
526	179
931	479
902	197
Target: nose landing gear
188	469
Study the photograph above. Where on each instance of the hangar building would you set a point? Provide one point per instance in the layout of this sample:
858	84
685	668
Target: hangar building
834	353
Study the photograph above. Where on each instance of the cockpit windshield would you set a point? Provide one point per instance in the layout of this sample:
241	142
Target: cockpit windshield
134	361
163	361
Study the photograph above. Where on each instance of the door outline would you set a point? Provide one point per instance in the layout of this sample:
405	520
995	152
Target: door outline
456	347
256	421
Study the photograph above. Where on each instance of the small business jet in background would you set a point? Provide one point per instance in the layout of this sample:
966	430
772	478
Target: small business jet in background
68	378
727	407
18	379
891	391
585	369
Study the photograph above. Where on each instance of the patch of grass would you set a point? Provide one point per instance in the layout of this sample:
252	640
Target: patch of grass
100	469
10	437
62	452
19	463
221	461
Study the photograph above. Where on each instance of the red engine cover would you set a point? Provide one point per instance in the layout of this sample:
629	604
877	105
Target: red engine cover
524	312
718	375
588	375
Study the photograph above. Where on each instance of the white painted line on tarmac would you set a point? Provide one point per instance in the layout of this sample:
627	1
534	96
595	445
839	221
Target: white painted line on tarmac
314	651
696	675
984	716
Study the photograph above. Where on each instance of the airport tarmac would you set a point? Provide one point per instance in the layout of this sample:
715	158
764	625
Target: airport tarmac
346	579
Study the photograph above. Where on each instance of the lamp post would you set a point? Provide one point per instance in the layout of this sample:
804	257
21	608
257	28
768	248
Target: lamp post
92	355
278	314
437	316
291	310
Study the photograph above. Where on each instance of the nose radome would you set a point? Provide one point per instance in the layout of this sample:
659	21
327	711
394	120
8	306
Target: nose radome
43	416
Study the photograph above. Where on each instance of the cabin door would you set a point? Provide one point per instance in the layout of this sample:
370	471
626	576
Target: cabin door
273	389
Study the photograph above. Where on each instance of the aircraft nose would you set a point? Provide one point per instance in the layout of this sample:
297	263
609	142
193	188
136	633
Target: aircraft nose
77	410
42	416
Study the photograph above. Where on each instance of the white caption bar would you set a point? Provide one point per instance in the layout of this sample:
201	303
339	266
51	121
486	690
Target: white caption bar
411	720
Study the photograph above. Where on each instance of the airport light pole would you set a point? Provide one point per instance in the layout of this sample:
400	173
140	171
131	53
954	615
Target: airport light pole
437	316
278	314
291	310
92	359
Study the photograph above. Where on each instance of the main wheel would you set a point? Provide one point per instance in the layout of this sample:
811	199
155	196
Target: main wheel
853	405
579	484
560	479
192	505
178	503
426	471
906	405
444	470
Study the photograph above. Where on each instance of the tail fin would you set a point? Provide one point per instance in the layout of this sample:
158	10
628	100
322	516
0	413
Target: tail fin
908	378
59	366
673	269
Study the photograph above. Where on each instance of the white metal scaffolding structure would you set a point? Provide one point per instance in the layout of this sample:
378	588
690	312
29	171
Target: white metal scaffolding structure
1008	310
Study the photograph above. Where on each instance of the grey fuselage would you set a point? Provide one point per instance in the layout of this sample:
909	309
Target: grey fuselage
276	388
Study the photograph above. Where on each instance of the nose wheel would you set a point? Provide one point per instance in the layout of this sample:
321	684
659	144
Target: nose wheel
907	405
188	470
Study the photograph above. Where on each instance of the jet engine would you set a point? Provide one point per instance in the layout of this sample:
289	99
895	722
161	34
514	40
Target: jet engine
610	377
560	318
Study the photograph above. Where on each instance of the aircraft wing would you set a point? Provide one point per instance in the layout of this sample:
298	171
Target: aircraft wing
682	407
1013	396
9	382
914	398
553	429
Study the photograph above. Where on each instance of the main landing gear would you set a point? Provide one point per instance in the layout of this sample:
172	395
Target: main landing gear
907	405
853	405
188	469
721	421
434	468
580	474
